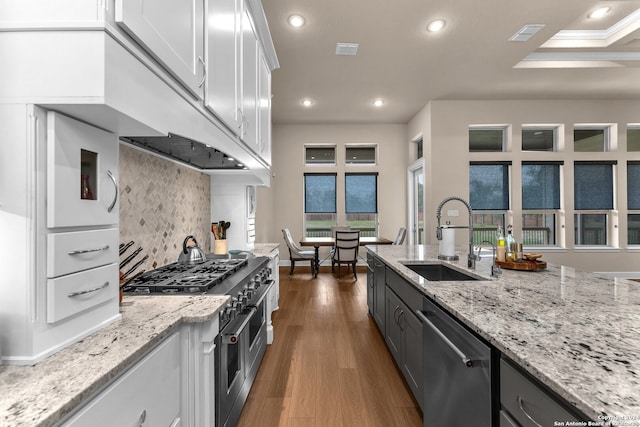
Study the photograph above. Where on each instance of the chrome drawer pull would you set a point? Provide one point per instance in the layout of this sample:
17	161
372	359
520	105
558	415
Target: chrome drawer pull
86	251
88	291
521	405
115	184
467	361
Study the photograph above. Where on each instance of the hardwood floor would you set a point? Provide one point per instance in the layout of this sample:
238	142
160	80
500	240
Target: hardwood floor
328	364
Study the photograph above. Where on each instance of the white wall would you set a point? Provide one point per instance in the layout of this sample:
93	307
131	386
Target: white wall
282	205
445	124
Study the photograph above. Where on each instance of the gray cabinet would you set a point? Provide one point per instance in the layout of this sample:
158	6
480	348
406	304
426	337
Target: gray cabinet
376	290
527	404
403	333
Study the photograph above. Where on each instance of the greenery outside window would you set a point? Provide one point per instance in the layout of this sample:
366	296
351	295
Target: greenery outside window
361	202
633	138
320	155
489	198
360	155
593	202
539	139
633	203
492	139
319	204
590	139
540	202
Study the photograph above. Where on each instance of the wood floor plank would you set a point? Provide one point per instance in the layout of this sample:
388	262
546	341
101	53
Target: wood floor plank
328	364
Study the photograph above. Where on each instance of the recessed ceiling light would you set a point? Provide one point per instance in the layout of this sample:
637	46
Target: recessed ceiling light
436	25
378	102
296	21
599	12
307	102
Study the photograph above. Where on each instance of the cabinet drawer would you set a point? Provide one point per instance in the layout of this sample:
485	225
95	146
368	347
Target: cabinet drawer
527	403
148	394
80	250
74	293
406	291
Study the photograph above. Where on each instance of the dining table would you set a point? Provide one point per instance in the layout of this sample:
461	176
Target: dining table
316	242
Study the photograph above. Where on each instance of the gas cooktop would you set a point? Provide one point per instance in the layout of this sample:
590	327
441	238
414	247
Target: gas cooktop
185	278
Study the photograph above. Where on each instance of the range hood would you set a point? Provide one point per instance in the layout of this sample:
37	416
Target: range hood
185	150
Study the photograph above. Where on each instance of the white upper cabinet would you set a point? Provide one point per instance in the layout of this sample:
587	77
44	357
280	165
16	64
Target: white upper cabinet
232	79
224	27
249	82
264	109
173	32
82	167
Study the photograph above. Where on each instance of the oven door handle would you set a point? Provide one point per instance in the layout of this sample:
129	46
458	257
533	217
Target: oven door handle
234	329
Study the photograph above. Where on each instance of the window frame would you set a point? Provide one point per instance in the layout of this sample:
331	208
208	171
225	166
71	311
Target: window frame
320	146
364	232
555	129
356	146
630	210
579	215
606	136
505	136
308	215
555	237
501	213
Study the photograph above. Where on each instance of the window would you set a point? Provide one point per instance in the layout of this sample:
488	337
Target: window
538	139
540	202
486	139
633	138
593	201
633	203
358	154
489	198
419	147
590	139
319	204
320	155
361	202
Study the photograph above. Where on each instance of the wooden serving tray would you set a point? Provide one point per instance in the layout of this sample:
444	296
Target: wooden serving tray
525	264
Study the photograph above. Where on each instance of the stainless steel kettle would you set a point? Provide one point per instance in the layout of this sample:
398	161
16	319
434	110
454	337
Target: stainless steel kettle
191	254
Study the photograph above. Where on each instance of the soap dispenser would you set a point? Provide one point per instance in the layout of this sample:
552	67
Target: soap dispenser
501	249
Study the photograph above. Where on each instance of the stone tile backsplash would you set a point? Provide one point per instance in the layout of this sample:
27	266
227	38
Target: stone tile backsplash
161	203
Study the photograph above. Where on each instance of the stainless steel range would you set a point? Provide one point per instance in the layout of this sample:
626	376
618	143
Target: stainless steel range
242	340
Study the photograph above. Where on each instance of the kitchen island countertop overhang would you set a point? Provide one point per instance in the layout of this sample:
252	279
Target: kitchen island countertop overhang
576	332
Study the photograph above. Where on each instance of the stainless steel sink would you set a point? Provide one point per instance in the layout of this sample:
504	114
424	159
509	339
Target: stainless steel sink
439	272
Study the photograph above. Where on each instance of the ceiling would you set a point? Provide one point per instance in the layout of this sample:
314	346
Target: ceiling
472	58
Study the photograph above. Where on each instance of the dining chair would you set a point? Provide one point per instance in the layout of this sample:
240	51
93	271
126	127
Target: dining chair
347	245
402	233
296	253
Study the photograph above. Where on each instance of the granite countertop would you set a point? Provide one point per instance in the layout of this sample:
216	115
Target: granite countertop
265	249
576	332
43	394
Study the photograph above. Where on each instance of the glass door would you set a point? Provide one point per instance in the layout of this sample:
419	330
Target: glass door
416	213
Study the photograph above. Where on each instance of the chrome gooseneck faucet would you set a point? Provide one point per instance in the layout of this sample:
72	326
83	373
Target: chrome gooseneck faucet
471	258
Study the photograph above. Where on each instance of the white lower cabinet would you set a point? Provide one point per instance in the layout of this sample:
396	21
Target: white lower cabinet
148	394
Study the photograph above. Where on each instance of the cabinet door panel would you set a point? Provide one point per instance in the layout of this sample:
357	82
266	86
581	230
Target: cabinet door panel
249	82
172	32
223	59
393	332
264	109
148	394
75	149
413	361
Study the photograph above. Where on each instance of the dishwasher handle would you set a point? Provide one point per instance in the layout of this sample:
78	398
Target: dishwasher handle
466	360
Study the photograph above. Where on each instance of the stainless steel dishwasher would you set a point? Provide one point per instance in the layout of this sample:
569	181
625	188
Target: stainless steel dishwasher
457	372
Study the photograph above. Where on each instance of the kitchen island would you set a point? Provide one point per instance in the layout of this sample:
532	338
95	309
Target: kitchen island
44	394
575	332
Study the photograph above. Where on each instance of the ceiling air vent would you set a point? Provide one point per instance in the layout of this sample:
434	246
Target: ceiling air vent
526	32
346	48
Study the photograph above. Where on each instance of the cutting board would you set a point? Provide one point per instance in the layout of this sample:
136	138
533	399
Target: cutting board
525	265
